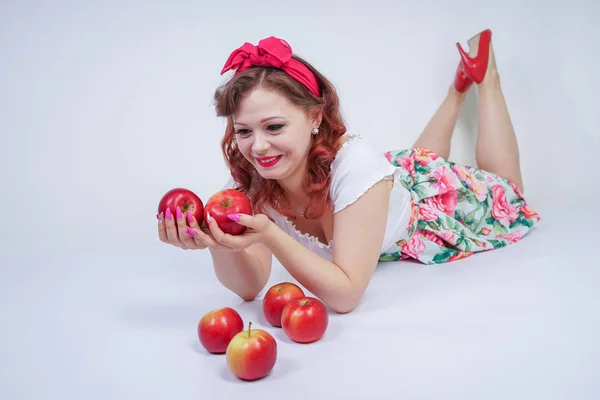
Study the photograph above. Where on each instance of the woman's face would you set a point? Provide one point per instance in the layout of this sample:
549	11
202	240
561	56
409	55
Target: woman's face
273	134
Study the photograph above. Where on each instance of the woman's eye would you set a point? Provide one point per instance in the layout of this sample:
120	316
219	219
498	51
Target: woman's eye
242	131
275	128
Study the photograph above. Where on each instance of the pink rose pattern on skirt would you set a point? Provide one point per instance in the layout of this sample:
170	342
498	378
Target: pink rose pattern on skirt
457	210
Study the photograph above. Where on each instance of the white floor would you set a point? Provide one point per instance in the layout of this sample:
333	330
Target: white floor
519	323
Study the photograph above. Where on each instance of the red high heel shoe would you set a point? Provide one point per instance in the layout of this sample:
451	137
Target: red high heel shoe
462	82
475	67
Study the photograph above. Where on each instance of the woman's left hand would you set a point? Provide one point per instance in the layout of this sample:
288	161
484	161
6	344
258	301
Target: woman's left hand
257	227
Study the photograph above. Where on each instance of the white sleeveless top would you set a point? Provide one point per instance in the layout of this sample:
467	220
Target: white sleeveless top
357	166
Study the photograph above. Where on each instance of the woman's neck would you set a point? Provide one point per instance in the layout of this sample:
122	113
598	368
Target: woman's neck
293	187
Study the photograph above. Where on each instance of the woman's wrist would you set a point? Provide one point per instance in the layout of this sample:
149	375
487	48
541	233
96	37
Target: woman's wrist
270	234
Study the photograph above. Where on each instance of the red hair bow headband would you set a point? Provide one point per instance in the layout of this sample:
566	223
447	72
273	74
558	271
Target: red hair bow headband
271	52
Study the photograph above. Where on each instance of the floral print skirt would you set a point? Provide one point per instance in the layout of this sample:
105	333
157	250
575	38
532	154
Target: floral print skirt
456	210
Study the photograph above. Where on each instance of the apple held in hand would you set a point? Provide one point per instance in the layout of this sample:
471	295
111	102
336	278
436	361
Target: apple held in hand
305	319
276	299
185	199
216	329
225	202
251	354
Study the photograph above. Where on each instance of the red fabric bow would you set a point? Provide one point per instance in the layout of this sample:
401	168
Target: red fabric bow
271	52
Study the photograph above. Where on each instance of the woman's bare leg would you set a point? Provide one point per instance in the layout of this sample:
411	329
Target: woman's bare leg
497	150
438	133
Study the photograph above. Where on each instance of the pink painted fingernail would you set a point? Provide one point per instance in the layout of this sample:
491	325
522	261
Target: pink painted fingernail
234	217
190	232
168	214
208	217
160	217
178	212
190	217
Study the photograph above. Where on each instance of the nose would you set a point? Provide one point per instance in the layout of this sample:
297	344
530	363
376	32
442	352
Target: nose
260	144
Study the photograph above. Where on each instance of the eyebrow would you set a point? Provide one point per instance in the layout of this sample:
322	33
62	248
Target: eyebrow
264	120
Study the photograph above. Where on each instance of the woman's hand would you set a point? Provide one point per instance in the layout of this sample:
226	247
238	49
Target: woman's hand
257	227
188	235
175	230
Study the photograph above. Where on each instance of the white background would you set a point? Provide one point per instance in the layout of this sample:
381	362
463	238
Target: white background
104	106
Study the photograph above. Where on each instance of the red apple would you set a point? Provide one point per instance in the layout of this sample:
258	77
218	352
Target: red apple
216	329
251	354
224	202
276	298
185	199
305	319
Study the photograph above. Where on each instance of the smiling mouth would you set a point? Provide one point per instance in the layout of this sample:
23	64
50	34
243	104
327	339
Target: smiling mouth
268	162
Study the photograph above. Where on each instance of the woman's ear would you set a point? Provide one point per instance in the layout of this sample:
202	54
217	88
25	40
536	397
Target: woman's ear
317	117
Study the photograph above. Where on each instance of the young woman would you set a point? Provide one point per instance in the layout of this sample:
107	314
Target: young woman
328	205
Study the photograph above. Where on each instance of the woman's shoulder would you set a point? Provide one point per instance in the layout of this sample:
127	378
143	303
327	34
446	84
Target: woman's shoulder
358	165
360	154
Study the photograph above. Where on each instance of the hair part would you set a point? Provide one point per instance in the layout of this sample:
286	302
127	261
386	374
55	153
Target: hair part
323	149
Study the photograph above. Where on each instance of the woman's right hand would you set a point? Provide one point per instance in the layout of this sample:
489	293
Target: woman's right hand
184	232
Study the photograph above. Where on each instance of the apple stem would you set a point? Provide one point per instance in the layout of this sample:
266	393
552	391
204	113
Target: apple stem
249	326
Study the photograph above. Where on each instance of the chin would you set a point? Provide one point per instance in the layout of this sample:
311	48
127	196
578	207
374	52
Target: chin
271	175
277	172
